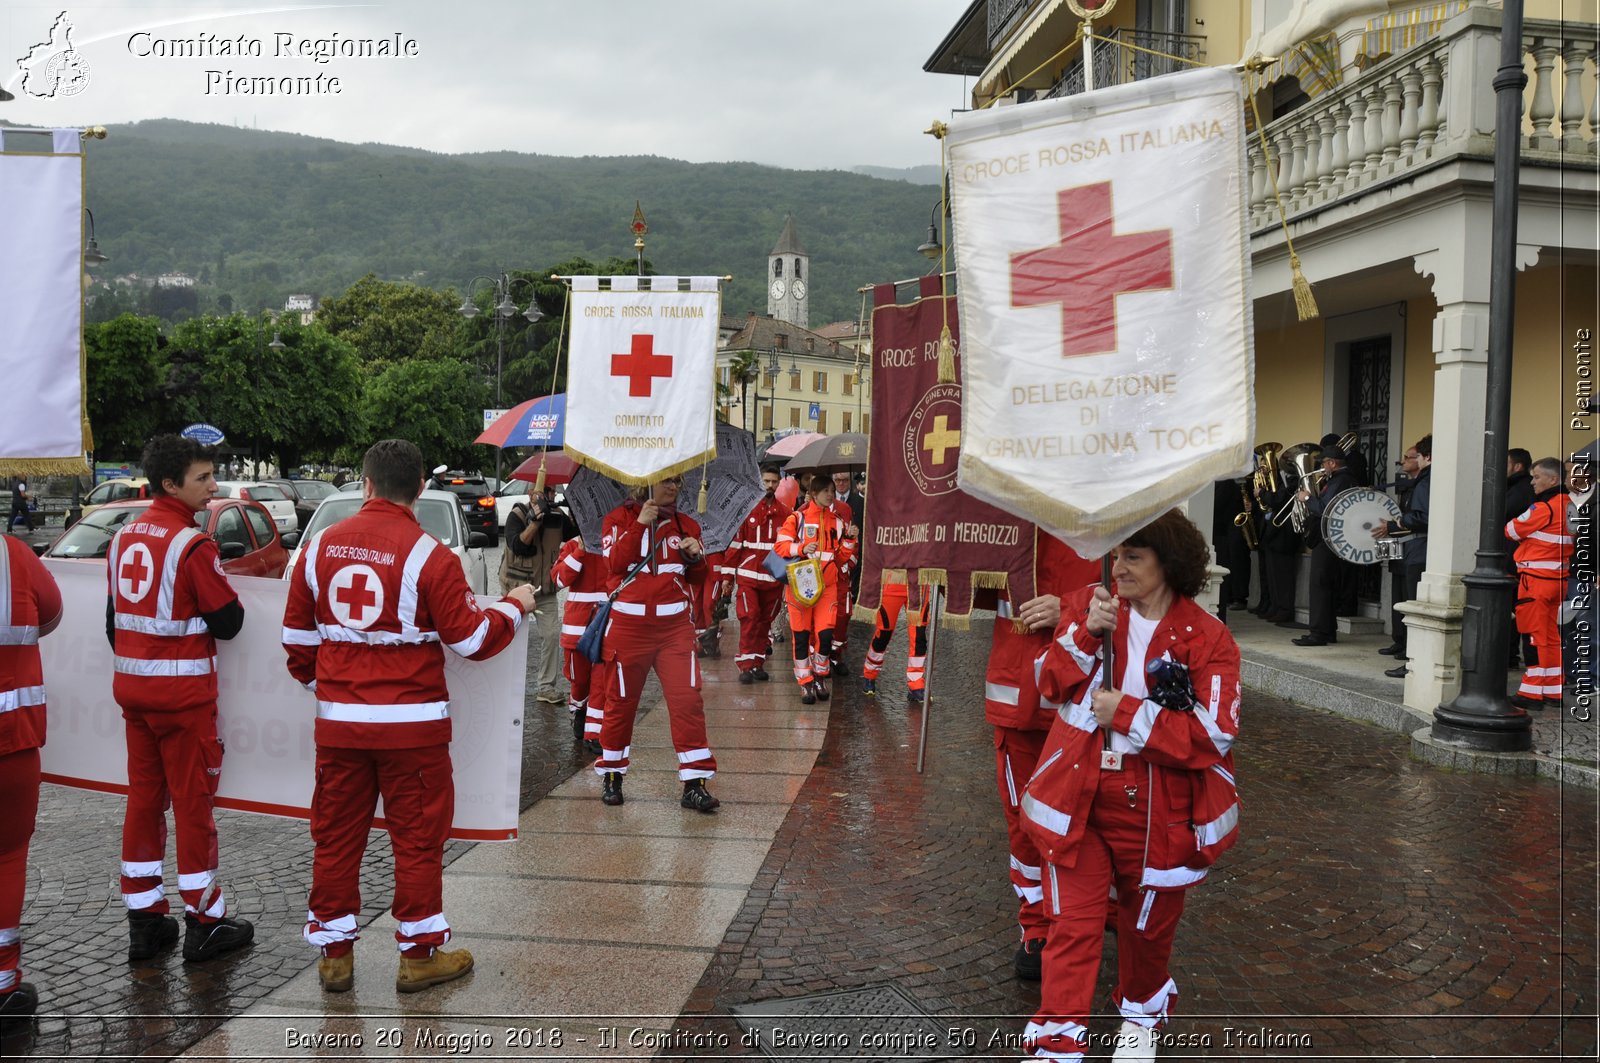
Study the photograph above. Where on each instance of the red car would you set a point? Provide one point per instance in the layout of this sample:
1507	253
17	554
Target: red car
245	535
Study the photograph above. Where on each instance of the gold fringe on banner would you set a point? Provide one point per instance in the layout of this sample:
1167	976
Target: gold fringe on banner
43	467
996	581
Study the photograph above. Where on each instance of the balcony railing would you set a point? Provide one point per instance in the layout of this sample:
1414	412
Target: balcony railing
1432	102
1116	65
1003	16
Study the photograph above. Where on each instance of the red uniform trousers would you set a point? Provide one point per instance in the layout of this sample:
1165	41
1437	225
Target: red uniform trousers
841	623
1016	754
634	645
19	796
174	760
419	800
756	605
891	604
1538	613
812	627
594	708
578	671
1112	851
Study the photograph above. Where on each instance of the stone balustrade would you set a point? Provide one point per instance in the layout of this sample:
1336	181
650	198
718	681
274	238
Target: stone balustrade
1427	104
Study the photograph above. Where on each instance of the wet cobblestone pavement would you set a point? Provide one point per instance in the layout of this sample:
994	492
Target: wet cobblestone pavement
1375	908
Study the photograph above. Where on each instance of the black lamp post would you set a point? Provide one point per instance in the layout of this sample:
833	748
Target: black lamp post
504	310
1481	717
92	256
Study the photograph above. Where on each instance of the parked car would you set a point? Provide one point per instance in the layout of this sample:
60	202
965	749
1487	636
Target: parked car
477	502
510	493
118	490
273	498
245	533
437	512
307	495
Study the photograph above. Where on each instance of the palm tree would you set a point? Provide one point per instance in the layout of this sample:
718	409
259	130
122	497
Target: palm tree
745	368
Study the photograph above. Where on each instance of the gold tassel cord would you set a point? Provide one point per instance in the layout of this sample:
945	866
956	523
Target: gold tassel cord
1305	302
947	347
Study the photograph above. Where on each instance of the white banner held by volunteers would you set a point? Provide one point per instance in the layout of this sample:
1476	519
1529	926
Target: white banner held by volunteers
641	375
1107	347
42	426
267	720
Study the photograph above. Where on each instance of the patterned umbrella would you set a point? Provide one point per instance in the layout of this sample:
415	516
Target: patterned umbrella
540	422
846	451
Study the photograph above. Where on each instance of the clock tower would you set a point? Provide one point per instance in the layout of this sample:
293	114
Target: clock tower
789	278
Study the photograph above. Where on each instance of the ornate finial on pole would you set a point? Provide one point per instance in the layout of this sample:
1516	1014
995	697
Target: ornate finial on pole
639	229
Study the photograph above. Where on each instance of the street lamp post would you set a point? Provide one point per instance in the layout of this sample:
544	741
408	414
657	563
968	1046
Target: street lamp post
92	256
504	309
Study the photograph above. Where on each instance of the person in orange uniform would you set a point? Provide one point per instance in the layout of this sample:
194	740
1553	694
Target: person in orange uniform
1543	549
30	607
168	603
373	602
1022	721
584	577
892	602
757	593
655	552
816	531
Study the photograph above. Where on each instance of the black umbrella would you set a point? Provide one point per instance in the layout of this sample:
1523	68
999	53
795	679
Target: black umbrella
845	452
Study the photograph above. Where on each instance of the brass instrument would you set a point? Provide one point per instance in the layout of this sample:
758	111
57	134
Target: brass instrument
1242	521
1266	475
1302	459
1347	442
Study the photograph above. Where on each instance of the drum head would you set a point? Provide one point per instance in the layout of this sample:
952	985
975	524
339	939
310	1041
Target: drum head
1350	519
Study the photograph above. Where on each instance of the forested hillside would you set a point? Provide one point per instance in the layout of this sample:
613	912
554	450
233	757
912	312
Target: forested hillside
256	216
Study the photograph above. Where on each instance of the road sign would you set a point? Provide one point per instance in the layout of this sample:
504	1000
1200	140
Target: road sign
491	416
816	411
207	434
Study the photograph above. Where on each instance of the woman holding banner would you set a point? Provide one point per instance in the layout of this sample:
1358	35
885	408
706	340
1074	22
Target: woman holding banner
814	531
1135	783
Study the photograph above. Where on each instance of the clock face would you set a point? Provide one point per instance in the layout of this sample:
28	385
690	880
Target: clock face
777	288
799	289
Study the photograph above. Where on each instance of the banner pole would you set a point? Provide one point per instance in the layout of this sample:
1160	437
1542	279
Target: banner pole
927	682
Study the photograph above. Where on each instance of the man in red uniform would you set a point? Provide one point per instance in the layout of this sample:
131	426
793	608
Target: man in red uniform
1022	721
757	595
30	606
893	598
168	603
370	601
815	531
1543	549
584	577
655	552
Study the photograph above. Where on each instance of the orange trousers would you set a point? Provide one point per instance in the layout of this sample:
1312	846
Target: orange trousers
812	626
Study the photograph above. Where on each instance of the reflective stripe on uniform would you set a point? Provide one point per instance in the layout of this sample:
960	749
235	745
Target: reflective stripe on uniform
340	633
11	700
151	625
22	635
411	712
193	666
641	609
1052	819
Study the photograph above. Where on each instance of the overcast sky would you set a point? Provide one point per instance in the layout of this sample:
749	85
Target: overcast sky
804	83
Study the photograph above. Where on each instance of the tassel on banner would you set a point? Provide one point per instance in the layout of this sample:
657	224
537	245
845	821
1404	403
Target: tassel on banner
947	357
1305	303
704	496
538	484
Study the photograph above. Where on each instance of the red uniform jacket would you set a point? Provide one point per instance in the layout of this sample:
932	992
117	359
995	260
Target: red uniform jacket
1544	545
164	575
661	587
754	540
584	575
370	600
1011	694
813	524
29	600
1194	811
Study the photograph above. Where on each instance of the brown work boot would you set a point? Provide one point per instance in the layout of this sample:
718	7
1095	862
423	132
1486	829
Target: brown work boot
337	973
419	974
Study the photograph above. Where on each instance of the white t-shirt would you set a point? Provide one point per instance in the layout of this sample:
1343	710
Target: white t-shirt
1140	632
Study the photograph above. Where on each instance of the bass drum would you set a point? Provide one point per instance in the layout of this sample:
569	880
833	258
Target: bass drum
1349	520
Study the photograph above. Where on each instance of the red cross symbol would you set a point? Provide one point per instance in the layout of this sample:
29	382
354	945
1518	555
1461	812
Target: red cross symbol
1089	268
134	573
641	366
356	598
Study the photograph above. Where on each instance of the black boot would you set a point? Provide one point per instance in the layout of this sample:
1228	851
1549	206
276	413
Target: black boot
841	667
1029	960
697	797
207	941
808	694
821	686
577	724
18	1006
611	788
150	933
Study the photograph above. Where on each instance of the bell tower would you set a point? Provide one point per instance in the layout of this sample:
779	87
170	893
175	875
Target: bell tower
789	278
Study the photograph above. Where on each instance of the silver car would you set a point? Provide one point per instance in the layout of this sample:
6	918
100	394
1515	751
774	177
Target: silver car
437	512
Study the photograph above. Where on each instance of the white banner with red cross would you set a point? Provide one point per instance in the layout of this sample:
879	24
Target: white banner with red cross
641	375
1106	318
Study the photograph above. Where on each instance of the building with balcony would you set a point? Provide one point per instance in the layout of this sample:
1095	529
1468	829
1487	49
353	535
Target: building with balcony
794	378
1379	125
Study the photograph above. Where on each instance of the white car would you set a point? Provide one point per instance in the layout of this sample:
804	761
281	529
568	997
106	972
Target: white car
274	499
437	511
511	492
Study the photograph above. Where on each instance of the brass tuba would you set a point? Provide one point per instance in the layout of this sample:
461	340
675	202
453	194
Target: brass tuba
1300	460
1266	477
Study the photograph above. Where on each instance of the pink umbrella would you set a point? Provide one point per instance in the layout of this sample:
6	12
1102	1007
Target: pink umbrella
789	446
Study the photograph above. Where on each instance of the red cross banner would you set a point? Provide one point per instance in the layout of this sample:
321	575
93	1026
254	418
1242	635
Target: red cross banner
1105	302
641	388
921	528
43	427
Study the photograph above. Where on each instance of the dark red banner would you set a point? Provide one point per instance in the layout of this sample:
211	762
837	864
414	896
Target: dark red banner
920	527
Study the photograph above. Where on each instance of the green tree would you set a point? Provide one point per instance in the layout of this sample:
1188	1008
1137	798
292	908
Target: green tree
743	370
126	368
437	404
389	322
